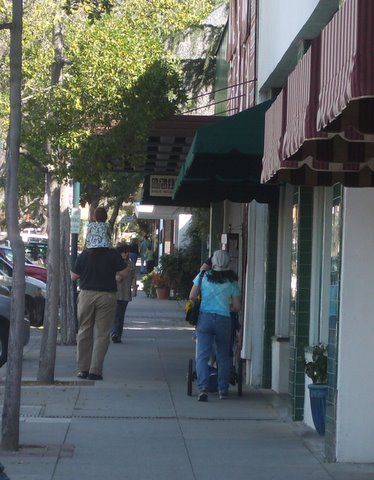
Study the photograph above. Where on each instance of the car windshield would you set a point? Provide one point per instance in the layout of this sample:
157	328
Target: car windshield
4	290
5	269
8	254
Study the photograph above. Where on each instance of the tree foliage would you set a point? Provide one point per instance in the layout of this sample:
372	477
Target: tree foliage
117	79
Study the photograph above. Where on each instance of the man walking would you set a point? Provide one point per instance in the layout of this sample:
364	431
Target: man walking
97	269
144	246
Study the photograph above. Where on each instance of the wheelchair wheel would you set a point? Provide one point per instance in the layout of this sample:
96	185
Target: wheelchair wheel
239	378
190	376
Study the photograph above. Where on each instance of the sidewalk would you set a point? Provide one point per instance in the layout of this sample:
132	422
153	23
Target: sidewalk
139	424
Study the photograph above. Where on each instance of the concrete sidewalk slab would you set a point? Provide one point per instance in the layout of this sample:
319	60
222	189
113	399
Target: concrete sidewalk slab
140	424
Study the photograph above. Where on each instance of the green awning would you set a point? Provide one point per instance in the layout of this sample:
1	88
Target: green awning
225	160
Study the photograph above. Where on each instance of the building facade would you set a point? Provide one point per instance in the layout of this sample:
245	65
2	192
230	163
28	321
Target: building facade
319	149
290	171
306	264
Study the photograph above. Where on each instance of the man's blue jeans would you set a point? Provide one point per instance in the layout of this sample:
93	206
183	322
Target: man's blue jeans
213	331
142	264
133	257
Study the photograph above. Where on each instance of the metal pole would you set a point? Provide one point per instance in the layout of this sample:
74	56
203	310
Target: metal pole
74	249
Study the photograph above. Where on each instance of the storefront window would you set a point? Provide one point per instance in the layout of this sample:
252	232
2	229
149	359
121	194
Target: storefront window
294	255
321	259
335	260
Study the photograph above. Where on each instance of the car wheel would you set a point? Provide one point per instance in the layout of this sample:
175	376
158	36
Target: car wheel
4	337
30	311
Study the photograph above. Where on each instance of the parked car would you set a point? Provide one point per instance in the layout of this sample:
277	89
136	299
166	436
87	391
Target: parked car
5	323
35	293
33	237
32	270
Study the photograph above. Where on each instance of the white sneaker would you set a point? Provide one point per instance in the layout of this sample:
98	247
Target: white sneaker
203	397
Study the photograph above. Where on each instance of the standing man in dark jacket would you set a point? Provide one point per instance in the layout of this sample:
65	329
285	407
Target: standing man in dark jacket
134	250
144	246
97	269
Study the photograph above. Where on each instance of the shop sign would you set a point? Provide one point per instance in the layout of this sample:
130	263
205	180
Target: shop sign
162	185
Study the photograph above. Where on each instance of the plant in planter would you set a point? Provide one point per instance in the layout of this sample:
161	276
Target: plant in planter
148	286
316	369
161	284
159	280
180	267
170	267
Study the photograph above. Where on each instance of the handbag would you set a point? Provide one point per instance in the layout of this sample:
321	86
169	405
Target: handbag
193	306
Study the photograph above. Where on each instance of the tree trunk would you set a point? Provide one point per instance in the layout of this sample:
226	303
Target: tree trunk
12	393
91	210
49	340
113	217
47	359
67	312
92	197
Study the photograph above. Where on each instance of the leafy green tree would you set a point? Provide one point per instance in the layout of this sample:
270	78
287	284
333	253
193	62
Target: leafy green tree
117	79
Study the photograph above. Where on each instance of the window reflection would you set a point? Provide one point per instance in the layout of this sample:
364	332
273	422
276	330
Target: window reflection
335	260
294	251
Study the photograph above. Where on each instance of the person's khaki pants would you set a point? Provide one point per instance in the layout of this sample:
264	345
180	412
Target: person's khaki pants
96	312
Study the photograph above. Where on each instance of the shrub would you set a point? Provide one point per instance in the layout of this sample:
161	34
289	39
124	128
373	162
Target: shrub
148	286
160	280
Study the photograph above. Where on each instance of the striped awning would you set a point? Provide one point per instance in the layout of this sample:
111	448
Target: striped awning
273	137
325	131
347	60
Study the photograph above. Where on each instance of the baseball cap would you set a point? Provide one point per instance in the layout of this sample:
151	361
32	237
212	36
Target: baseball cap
221	260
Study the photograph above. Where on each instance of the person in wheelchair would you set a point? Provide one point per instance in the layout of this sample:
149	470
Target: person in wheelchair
212	363
220	294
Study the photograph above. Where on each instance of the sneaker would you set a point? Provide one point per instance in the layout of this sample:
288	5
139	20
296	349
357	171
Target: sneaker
203	397
82	374
94	376
116	339
223	395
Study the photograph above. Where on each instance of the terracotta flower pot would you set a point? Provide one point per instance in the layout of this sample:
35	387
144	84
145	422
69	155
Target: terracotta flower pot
162	293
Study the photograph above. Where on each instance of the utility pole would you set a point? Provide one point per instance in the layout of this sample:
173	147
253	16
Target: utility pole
74	247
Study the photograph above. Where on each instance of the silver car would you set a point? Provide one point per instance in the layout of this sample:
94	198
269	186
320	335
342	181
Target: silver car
35	291
4	325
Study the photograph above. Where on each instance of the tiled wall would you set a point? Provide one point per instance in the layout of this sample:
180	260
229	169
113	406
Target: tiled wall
300	306
300	295
271	268
331	406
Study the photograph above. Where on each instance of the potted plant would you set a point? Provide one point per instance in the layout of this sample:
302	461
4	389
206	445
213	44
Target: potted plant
171	267
316	370
161	284
148	286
